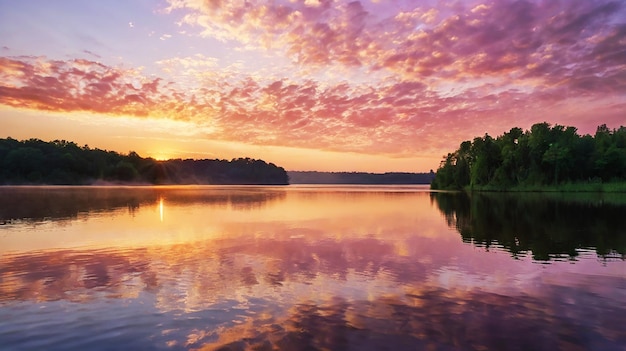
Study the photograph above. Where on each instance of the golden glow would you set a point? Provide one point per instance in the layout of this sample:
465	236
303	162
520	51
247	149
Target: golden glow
161	156
168	142
232	210
161	209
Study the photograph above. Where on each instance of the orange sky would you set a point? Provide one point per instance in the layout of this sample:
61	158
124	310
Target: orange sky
307	84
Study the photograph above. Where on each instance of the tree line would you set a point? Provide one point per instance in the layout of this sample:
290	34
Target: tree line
543	155
314	177
63	162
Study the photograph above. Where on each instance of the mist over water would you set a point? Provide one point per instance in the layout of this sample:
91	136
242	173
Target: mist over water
308	267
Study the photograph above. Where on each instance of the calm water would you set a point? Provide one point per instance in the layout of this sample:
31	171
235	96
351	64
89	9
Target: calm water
309	268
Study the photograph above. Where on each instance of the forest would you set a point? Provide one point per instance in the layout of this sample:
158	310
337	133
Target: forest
543	156
63	162
313	177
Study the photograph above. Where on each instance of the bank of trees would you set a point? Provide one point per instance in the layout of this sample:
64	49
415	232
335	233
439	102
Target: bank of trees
543	155
313	177
35	161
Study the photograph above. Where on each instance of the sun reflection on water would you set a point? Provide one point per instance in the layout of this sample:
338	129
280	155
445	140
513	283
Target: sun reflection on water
161	209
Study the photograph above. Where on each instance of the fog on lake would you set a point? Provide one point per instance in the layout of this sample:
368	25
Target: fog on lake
309	268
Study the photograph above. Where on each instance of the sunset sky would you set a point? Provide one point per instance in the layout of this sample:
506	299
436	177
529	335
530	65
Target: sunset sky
327	85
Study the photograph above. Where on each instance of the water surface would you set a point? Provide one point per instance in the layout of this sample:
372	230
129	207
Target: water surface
309	268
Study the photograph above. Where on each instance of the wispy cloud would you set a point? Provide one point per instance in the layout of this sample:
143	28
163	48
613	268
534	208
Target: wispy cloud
92	54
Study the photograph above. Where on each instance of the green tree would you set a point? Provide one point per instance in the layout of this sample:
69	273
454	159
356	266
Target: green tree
541	155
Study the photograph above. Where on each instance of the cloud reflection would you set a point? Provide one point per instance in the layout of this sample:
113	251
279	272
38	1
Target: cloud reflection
433	319
401	306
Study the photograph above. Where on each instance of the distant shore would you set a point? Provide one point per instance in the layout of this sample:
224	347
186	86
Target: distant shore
359	178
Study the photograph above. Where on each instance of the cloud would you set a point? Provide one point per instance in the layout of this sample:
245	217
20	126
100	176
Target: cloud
91	53
549	40
312	32
395	117
195	61
519	40
79	85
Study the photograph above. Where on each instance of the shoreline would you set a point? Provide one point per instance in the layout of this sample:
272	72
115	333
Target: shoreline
610	187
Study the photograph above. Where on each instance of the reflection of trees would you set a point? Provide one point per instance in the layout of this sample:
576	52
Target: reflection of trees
548	226
40	203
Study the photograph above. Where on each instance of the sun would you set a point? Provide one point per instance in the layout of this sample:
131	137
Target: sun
161	156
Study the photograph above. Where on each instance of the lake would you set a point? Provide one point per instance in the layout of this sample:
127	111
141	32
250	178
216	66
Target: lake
309	268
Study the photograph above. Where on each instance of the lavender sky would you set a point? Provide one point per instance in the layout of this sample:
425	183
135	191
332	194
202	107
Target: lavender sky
307	84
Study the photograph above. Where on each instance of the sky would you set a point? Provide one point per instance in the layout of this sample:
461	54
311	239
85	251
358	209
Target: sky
327	85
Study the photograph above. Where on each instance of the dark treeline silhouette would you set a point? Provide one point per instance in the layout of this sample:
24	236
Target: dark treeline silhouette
544	155
548	227
312	177
35	161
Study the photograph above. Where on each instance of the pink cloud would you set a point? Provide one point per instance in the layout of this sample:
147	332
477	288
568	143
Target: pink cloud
78	85
548	40
401	118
